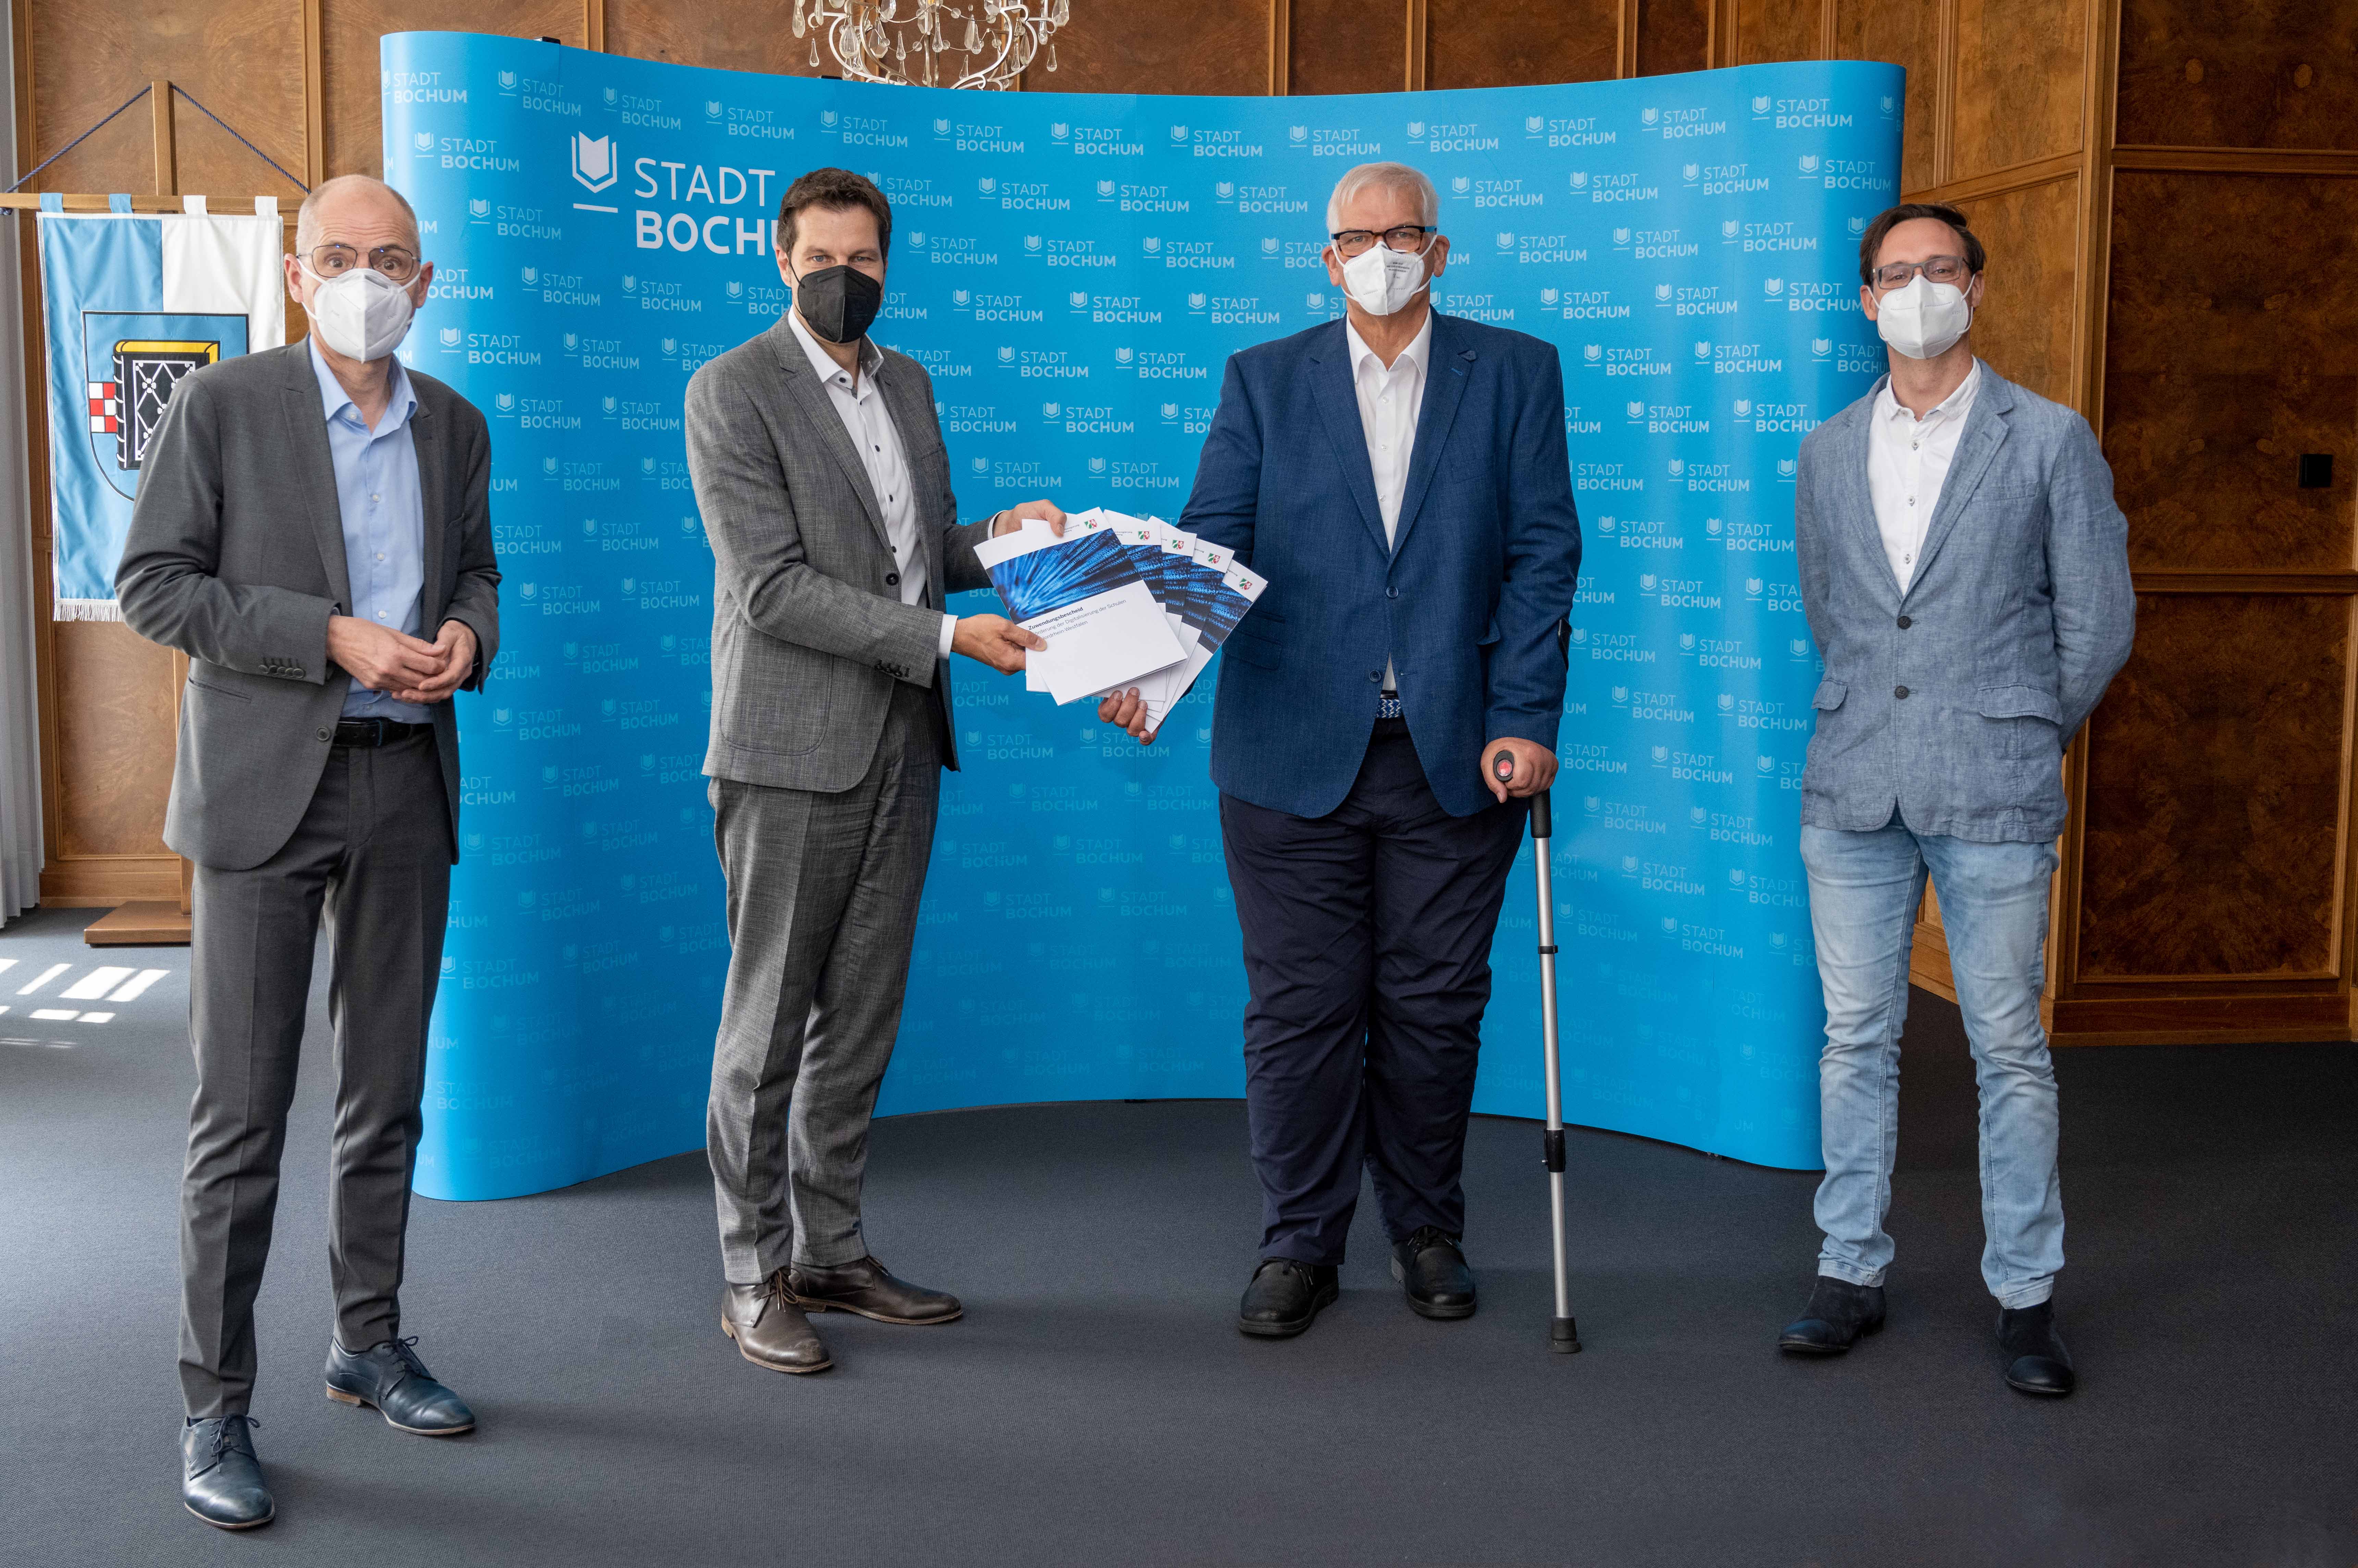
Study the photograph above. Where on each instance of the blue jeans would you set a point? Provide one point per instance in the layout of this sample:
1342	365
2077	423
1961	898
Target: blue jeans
1864	892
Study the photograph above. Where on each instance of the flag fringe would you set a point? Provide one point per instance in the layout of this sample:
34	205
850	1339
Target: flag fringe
85	610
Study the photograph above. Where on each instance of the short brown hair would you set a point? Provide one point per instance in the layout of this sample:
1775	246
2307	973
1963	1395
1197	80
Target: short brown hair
1891	217
834	190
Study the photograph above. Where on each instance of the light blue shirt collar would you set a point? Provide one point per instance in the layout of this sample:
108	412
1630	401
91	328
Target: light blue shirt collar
400	404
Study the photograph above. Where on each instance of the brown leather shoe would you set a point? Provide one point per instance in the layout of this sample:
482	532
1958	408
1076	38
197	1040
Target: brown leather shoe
865	1288
770	1329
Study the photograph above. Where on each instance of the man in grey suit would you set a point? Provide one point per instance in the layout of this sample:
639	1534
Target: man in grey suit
313	531
1966	574
820	469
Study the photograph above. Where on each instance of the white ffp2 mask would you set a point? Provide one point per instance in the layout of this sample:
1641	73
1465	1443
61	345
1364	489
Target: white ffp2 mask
362	314
1381	280
1924	319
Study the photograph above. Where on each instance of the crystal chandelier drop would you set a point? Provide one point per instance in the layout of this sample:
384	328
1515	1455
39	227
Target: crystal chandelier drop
987	42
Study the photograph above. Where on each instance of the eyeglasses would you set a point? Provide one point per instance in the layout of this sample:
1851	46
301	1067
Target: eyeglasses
1938	270
1407	237
396	262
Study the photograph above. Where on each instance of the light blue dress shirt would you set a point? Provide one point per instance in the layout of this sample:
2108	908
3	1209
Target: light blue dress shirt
384	512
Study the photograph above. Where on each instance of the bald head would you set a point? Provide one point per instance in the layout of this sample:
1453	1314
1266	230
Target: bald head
357	210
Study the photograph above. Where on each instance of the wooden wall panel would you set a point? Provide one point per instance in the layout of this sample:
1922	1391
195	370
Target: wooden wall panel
1203	45
245	62
1507	43
115	740
724	35
1348	46
1674	36
2019	88
1778	29
2214	779
1906	33
347	55
2024	324
2233	348
2255	73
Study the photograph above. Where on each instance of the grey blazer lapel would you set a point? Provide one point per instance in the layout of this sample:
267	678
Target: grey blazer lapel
1856	498
1337	396
1985	433
307	442
433	471
817	409
913	417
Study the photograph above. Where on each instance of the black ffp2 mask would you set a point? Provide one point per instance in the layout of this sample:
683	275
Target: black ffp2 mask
839	302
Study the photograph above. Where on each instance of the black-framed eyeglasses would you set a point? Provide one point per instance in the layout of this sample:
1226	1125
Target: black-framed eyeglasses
1939	269
1408	237
397	262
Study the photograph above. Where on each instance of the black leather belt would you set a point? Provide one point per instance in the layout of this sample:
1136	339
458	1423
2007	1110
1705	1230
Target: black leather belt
375	732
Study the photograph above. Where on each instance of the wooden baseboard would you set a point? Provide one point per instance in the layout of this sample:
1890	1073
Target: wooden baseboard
101	881
1927	962
144	923
2201	1020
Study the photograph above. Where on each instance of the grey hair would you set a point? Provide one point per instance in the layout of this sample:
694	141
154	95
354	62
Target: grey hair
307	217
1388	175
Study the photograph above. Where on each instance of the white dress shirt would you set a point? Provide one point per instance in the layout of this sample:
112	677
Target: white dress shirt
1390	397
1907	461
870	425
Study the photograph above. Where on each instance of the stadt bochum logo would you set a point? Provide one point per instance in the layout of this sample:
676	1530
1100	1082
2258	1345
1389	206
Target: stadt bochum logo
593	160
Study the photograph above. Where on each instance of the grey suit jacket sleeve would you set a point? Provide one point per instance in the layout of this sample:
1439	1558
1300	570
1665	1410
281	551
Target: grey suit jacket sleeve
475	593
166	582
758	552
2088	564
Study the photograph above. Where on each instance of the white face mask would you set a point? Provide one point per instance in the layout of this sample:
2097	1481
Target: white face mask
363	315
1924	319
1381	280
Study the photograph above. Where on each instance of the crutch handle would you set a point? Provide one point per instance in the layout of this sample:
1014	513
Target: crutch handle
1542	825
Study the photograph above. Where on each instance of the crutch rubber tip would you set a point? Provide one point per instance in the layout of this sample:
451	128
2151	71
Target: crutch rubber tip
1563	1336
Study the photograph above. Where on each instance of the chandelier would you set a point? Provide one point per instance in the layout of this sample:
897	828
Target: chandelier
904	41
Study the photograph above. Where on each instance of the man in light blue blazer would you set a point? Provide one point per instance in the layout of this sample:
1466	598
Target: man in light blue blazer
1385	713
1966	573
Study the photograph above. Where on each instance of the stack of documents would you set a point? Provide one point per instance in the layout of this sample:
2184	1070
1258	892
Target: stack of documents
1122	601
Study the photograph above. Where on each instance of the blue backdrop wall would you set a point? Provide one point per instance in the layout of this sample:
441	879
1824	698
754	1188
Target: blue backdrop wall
1073	270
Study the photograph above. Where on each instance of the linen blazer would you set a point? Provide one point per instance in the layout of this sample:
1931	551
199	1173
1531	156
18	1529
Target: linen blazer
235	557
1465	601
808	634
1952	703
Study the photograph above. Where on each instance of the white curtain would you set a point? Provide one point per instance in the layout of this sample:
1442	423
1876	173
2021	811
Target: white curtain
20	728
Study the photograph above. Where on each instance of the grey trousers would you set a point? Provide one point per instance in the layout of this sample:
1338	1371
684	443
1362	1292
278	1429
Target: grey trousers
373	850
823	893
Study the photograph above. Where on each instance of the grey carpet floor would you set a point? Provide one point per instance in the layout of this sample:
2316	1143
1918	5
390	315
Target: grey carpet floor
1097	1407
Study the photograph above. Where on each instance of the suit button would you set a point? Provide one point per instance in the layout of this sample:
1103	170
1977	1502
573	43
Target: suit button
891	580
1899	691
297	672
327	734
1375	675
1905	623
1392	593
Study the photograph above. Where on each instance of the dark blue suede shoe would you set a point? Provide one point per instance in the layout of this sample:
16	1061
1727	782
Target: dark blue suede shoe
390	1376
220	1480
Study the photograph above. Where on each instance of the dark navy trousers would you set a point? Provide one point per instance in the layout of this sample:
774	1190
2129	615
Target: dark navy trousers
1366	944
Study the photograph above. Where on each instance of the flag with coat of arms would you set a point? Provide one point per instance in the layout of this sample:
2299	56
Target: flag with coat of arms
131	303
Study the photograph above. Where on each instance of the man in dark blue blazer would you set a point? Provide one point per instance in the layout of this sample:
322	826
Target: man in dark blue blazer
1384	714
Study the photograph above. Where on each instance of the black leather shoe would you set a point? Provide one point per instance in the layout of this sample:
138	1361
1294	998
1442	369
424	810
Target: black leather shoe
1286	1297
2037	1361
770	1329
390	1376
1838	1313
1432	1271
220	1480
866	1288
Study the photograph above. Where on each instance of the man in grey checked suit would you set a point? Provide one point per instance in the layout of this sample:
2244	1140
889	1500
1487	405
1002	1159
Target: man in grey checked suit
1966	574
313	531
820	469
